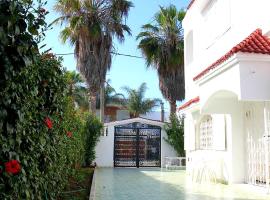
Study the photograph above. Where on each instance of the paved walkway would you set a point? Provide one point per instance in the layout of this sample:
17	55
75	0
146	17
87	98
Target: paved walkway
155	184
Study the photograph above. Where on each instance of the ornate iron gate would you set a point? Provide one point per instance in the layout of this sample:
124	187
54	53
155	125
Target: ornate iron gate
137	145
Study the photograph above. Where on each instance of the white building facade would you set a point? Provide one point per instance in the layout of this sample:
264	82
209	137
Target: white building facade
227	77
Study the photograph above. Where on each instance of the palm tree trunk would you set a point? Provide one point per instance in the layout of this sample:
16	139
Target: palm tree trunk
93	102
102	103
172	108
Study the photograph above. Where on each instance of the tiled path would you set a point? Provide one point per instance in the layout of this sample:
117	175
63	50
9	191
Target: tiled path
156	184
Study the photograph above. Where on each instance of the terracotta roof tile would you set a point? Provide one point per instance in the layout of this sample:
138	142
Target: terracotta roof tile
254	43
187	104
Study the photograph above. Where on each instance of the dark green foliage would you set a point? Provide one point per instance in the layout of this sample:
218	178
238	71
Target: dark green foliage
93	128
47	156
33	87
73	121
175	132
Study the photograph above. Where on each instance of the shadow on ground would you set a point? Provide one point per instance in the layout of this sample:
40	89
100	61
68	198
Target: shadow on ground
149	184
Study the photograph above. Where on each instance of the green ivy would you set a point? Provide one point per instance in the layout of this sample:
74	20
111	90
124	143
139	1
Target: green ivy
175	133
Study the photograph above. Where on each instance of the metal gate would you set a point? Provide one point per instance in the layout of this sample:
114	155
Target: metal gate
137	145
258	147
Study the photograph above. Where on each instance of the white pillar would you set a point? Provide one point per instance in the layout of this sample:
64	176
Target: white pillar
266	144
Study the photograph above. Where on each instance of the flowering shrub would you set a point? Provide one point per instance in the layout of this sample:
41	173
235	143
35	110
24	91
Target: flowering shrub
36	156
13	167
69	134
48	123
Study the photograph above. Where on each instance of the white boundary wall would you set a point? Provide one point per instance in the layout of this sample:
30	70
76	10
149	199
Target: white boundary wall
105	147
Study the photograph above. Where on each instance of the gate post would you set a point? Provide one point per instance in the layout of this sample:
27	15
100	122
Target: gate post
137	147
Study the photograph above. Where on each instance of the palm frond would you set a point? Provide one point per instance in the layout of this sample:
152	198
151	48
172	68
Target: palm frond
162	45
66	34
91	26
136	102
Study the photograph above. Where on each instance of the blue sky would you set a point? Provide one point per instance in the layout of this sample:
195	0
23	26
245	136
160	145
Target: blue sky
125	71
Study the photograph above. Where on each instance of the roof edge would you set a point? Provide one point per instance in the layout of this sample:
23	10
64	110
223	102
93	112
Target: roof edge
244	47
130	120
189	103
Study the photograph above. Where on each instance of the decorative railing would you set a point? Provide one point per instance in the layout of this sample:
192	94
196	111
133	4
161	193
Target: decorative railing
258	161
175	162
204	171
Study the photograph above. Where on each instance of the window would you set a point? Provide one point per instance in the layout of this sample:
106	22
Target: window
206	133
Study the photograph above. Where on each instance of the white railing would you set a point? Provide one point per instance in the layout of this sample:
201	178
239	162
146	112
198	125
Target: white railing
204	171
175	162
258	161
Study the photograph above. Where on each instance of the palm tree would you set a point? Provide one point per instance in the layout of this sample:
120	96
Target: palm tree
82	98
111	96
162	45
136	103
76	90
91	26
73	80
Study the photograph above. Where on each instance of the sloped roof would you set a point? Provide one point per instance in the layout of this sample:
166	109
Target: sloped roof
189	103
254	43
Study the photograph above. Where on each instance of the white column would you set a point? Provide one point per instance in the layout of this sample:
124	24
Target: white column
266	144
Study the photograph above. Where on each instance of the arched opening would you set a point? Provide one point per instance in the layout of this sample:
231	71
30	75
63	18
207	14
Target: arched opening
219	102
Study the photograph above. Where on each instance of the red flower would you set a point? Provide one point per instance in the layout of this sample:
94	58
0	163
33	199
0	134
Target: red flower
48	123
69	134
13	167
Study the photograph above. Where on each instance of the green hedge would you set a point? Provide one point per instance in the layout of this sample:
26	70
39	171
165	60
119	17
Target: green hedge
175	133
41	134
92	131
47	154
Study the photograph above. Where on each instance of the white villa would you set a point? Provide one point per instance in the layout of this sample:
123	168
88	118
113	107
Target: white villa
227	76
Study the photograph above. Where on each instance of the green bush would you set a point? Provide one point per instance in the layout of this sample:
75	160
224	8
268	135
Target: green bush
37	153
92	133
42	136
73	126
47	154
175	133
